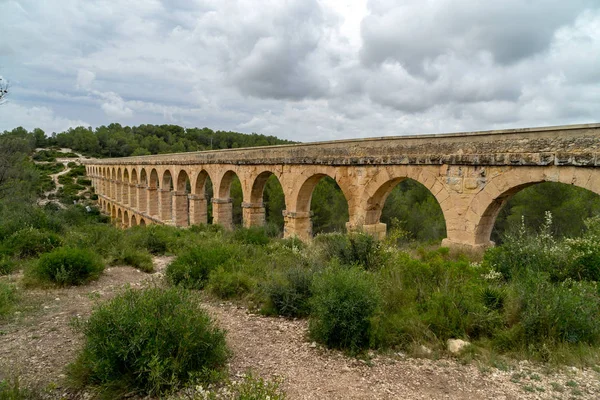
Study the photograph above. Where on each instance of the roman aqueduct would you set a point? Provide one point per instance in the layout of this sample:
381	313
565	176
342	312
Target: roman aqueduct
470	174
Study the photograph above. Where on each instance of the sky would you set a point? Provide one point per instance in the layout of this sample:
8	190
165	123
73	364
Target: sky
305	70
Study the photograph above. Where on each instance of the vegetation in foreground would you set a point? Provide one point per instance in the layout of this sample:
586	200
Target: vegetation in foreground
150	342
535	296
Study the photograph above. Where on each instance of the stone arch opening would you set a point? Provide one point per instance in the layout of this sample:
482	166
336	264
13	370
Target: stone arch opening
329	211
569	205
113	184
406	204
267	202
134	221
142	222
126	220
119	186
113	213
119	220
227	204
125	187
165	197
153	192
181	206
200	204
133	189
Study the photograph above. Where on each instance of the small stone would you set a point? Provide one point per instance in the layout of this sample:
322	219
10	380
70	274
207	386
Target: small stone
425	350
57	299
456	345
313	345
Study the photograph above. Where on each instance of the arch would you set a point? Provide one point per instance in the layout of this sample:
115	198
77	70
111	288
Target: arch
485	206
200	206
181	206
143	177
199	186
224	189
183	179
299	222
133	220
167	180
119	220
153	181
126	221
125	187
165	198
134	176
142	221
258	211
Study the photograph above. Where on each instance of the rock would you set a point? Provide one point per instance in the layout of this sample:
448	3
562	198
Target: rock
313	345
425	350
455	346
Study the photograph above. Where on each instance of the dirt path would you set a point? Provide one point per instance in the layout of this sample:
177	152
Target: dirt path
39	344
64	161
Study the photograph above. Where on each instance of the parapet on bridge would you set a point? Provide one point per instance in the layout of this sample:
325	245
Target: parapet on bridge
471	175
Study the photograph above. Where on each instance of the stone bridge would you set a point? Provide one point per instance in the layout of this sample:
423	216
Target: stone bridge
470	174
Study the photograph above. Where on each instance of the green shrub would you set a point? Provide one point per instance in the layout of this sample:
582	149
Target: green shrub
150	342
343	305
363	250
31	242
255	235
551	313
11	389
84	182
332	244
8	297
68	266
288	295
251	388
136	258
154	238
227	284
7	265
523	252
191	269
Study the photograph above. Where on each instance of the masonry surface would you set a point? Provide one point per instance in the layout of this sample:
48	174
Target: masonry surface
470	174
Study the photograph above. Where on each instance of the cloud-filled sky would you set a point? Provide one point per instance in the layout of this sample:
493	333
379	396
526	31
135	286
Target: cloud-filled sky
301	69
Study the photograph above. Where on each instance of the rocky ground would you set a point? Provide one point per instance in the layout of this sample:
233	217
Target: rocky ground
38	343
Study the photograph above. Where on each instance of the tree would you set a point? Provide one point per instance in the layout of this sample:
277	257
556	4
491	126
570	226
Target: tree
3	90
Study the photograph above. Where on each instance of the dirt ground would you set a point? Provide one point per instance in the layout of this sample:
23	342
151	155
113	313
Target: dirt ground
38	343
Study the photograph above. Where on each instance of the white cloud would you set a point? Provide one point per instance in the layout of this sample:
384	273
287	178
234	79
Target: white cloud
13	115
302	70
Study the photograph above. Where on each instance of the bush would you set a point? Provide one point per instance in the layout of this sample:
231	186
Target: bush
152	341
343	305
7	265
552	313
84	181
31	242
255	235
227	284
289	294
68	266
136	258
154	238
8	297
191	269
